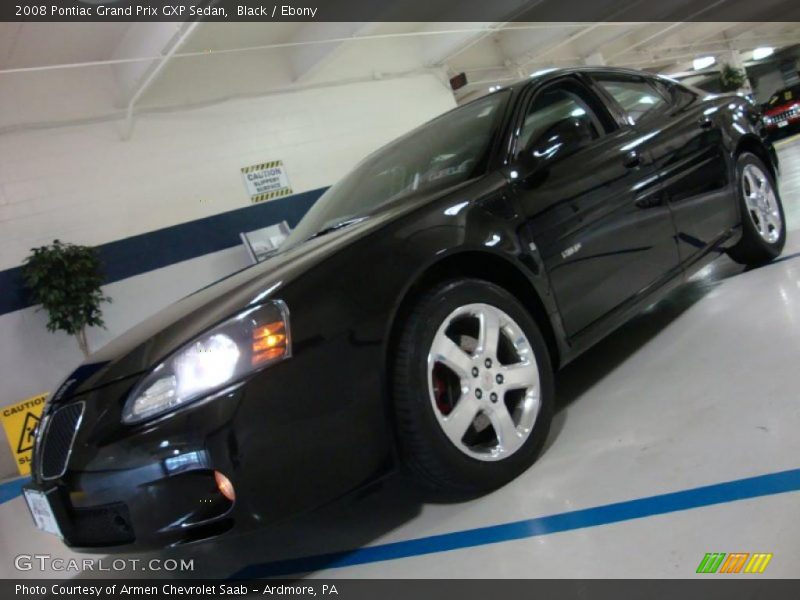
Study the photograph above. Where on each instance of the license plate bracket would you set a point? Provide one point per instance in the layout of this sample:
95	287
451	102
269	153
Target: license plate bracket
42	511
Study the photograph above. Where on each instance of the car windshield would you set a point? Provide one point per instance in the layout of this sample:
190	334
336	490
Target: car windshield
447	151
783	96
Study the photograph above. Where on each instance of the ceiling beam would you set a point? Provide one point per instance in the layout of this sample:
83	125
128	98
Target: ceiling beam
437	50
150	71
538	54
664	30
147	41
582	33
710	47
306	59
660	32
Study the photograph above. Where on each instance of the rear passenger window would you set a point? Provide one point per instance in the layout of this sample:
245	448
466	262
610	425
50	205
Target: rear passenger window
681	96
637	97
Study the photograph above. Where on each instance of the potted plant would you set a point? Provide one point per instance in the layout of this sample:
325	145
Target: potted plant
65	279
731	79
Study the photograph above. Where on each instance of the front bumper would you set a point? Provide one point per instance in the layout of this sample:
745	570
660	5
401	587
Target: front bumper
197	510
152	488
288	442
774	128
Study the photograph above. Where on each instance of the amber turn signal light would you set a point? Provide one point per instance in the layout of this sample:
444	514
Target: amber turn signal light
224	486
269	342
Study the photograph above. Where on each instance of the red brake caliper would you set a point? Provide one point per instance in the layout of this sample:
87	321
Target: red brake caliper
440	389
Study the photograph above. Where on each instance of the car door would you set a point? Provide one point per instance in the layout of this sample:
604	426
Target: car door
686	145
591	201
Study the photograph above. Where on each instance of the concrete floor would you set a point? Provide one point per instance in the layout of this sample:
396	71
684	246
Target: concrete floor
700	390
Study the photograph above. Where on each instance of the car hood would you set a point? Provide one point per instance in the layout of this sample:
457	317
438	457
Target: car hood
148	343
151	341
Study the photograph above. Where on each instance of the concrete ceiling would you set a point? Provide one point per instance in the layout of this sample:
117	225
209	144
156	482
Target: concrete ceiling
221	36
173	64
41	44
506	46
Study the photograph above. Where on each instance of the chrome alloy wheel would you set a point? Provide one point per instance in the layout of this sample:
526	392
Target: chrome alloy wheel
483	382
762	204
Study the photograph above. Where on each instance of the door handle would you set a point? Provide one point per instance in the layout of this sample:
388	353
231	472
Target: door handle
632	159
706	123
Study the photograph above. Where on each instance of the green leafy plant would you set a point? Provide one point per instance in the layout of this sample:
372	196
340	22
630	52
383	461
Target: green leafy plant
731	79
65	279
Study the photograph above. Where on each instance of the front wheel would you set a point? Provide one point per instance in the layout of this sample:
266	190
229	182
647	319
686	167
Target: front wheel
473	388
763	222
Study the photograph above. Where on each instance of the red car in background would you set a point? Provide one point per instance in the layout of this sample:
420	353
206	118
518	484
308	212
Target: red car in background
782	111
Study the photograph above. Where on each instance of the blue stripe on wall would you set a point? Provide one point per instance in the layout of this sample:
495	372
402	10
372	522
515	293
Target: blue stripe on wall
11	489
718	493
160	248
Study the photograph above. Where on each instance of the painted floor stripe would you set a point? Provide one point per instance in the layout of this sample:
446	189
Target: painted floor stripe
786	141
11	489
719	493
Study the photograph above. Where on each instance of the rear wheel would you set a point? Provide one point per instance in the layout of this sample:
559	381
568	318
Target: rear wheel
473	388
763	222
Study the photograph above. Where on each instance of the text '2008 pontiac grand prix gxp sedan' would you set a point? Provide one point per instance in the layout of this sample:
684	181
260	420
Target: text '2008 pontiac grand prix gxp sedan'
414	317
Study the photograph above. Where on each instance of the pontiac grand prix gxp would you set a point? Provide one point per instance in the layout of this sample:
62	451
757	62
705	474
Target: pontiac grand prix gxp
414	317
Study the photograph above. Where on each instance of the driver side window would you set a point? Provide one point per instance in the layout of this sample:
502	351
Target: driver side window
559	122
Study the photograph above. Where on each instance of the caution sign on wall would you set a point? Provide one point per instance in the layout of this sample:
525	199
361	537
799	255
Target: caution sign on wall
266	181
20	421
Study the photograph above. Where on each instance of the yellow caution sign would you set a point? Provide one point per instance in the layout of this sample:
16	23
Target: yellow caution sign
266	181
20	421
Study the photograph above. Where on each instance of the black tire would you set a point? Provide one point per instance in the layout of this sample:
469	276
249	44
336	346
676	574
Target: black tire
434	461
753	250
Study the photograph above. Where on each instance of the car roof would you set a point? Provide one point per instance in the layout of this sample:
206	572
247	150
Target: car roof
547	74
539	77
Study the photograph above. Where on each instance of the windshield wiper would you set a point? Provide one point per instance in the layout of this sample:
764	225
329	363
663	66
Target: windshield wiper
335	226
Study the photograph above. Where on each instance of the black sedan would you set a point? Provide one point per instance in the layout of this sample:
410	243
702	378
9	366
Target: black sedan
414	317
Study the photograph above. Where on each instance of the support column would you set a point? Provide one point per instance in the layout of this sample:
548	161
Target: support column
734	58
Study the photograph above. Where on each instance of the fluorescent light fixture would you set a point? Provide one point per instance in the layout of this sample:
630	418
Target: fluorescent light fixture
703	62
578	112
763	52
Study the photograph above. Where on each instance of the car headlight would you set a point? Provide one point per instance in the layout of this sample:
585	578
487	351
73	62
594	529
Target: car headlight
253	339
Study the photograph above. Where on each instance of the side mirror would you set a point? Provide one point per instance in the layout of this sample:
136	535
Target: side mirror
563	138
528	162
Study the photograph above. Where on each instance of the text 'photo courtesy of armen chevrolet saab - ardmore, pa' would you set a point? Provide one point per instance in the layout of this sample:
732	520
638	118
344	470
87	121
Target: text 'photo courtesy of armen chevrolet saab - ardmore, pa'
400	296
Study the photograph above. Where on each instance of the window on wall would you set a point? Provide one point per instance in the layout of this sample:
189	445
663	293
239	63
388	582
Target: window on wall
637	97
559	122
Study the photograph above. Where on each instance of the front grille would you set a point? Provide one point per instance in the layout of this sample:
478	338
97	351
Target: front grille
57	440
107	525
785	115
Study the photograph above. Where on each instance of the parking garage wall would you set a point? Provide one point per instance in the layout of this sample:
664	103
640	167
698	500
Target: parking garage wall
166	206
